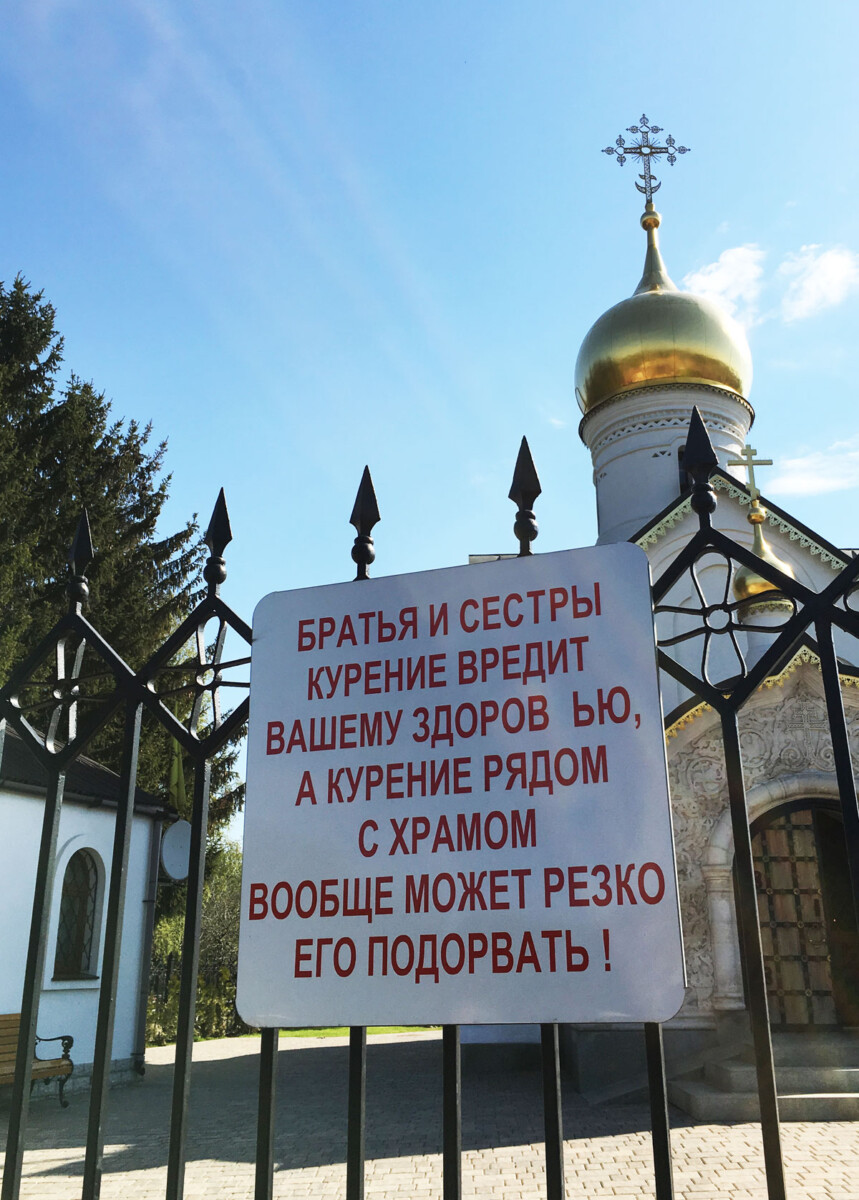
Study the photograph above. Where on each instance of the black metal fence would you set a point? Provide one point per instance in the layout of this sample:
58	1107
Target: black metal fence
74	683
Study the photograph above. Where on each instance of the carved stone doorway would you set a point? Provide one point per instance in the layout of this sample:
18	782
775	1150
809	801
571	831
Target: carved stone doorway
808	927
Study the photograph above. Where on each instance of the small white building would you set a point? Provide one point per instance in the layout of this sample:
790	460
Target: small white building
70	988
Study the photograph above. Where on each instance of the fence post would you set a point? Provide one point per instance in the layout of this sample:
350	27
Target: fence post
93	1161
660	1128
841	752
365	515
451	1113
264	1174
188	985
33	975
356	1120
552	1112
750	933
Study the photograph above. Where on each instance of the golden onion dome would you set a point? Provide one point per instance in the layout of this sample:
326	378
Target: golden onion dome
661	335
748	585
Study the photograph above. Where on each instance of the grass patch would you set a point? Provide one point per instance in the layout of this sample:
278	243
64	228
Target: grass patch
343	1030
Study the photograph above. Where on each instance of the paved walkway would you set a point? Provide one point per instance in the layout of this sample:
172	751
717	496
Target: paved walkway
607	1148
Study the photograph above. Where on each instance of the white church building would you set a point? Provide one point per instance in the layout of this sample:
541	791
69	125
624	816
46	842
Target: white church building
642	368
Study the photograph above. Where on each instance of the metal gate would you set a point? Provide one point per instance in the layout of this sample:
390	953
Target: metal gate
74	682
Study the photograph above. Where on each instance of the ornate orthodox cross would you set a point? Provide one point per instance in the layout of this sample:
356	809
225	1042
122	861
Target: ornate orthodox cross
807	715
747	459
645	149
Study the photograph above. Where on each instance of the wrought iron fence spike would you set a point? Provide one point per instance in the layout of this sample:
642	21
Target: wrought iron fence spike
81	552
524	490
219	533
699	459
80	556
218	537
699	453
525	487
365	514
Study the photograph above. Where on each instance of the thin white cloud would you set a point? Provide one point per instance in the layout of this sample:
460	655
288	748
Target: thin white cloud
835	469
817	279
806	282
734	281
787	364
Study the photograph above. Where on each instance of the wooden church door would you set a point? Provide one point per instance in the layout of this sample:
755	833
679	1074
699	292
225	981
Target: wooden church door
808	927
840	915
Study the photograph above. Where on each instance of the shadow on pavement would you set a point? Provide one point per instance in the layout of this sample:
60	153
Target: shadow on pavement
499	1108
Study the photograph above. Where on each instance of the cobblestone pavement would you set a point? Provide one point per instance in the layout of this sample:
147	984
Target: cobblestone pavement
607	1148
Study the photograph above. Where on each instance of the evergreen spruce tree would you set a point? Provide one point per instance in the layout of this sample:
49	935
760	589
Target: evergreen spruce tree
30	355
60	452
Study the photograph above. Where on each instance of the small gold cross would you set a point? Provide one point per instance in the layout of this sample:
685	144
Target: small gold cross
747	459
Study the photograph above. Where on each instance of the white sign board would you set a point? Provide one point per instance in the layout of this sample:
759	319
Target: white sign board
457	802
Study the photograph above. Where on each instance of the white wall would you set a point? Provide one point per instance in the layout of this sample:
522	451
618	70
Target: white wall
635	441
69	1006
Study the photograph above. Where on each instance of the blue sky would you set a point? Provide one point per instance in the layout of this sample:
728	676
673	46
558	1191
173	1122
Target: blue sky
299	237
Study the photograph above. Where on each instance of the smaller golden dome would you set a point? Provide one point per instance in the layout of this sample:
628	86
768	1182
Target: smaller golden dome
661	335
748	585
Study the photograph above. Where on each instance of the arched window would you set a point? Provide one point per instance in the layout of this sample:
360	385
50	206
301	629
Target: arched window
75	958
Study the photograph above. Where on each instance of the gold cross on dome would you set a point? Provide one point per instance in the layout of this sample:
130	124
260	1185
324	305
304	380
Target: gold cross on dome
645	149
747	459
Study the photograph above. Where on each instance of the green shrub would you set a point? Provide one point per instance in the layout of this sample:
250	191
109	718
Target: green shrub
216	1014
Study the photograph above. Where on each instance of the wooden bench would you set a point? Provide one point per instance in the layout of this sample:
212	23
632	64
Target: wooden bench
43	1068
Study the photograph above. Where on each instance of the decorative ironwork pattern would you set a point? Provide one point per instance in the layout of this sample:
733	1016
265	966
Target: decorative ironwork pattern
712	620
807	614
59	698
645	149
